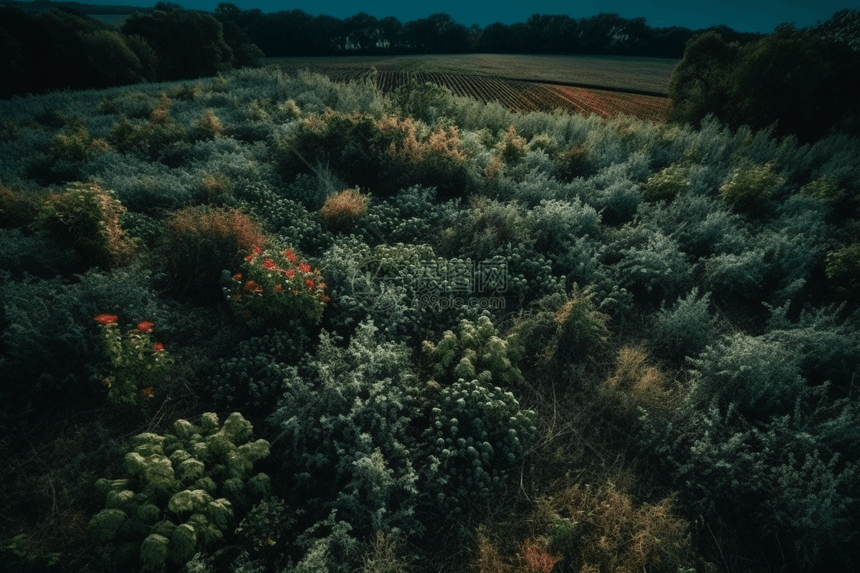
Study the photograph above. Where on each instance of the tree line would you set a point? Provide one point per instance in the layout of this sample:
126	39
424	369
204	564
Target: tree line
800	79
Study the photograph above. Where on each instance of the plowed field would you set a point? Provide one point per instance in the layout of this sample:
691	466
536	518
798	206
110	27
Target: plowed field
516	95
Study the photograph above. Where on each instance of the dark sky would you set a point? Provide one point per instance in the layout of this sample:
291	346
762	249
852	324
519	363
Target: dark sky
741	15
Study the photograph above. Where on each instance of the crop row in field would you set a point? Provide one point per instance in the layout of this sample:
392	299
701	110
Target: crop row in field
518	95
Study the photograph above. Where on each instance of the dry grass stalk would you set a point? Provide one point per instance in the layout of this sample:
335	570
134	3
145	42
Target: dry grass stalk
637	384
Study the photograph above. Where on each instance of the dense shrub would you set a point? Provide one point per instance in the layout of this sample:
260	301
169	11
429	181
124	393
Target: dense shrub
254	374
685	329
342	209
200	243
560	329
167	509
274	288
480	433
17	209
476	353
346	433
53	349
87	218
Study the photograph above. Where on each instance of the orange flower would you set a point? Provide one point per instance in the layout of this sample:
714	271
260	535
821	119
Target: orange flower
238	276
251	286
326	299
249	258
148	392
158	347
309	283
304	267
268	264
321	285
290	274
106	319
278	287
291	256
257	250
145	326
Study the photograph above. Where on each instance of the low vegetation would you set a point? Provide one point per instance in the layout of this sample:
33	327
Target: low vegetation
276	323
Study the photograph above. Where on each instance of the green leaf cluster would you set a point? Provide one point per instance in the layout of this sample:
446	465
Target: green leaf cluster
167	508
477	353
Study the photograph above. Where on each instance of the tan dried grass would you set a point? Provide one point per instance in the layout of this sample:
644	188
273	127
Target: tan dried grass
637	384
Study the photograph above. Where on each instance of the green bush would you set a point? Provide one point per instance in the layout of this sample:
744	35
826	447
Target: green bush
685	329
562	328
167	509
667	184
348	433
254	374
749	186
87	218
478	433
760	377
476	352
200	243
274	288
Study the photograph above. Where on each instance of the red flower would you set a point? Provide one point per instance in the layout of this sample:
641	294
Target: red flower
158	347
309	283
290	274
278	287
145	326
249	258
257	250
238	276
106	319
304	267
291	256
321	285
326	299
148	392
268	264
251	286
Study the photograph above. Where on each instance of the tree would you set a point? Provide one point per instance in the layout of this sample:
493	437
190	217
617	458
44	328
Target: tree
189	44
700	82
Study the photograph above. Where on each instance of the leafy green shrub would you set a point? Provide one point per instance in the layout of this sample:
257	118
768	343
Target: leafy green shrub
827	342
274	289
200	243
685	329
555	223
794	476
476	352
351	145
167	508
266	530
480	432
87	218
254	375
287	219
843	267
651	265
749	186
349	433
426	102
760	377
562	328
667	184
74	145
